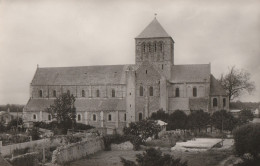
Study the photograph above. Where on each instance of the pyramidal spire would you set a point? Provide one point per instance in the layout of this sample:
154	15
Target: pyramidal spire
154	29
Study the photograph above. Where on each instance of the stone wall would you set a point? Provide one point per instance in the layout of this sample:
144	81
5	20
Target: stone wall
76	151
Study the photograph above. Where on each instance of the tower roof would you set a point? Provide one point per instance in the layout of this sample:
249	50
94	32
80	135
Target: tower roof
154	29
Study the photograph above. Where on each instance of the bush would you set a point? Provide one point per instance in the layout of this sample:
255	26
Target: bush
81	126
247	140
153	157
35	133
115	138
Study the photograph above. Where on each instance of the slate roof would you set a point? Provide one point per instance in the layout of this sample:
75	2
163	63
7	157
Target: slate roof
198	103
190	73
94	104
154	29
216	88
83	75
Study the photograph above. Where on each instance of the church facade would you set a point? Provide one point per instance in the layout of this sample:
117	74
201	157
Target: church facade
114	95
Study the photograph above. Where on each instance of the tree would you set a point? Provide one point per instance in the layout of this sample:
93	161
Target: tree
177	120
236	81
247	139
160	115
35	133
245	116
143	129
153	157
198	119
223	119
64	111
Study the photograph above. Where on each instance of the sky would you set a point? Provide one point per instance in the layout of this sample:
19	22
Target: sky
56	33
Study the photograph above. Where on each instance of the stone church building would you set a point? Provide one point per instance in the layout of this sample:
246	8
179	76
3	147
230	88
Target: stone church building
113	95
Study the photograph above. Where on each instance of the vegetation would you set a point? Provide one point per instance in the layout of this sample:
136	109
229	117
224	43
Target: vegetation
144	129
64	112
177	120
236	81
198	119
12	107
247	144
153	157
245	116
223	119
35	133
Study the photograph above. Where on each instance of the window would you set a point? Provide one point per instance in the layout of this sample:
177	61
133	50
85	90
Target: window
113	93
177	92
215	102
160	47
141	91
94	117
97	93
79	117
83	93
151	91
143	47
155	49
34	116
145	71
140	116
162	67
54	93
194	92
109	117
149	47
49	117
224	102
40	93
125	117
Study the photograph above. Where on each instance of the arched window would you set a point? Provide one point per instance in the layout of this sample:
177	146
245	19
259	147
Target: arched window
155	47
109	117
151	91
177	92
54	93
140	116
34	116
40	93
79	117
125	117
113	93
194	92
49	117
215	102
160	46
97	93
224	102
94	117
83	93
141	91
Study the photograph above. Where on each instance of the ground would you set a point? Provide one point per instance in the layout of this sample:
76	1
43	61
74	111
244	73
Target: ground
211	157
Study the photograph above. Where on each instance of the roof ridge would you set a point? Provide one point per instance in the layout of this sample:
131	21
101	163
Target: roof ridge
83	66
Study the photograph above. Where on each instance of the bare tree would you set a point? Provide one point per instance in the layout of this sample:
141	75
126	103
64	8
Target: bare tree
236	81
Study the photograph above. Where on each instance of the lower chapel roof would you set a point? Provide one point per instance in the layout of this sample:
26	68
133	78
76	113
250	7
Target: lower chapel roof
80	104
112	74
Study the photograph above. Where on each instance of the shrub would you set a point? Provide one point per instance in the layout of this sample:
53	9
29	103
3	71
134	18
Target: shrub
247	139
35	133
153	157
115	138
81	126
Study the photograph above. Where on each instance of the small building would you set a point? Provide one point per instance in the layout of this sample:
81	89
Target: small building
235	112
162	124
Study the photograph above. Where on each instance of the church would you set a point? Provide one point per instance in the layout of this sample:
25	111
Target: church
112	96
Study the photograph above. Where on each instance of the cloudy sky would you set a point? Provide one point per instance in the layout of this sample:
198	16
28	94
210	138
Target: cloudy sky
54	33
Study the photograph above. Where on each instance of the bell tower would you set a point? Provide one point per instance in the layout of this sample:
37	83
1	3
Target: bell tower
154	44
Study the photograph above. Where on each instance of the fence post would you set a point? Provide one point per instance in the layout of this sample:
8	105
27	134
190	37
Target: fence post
1	147
43	154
